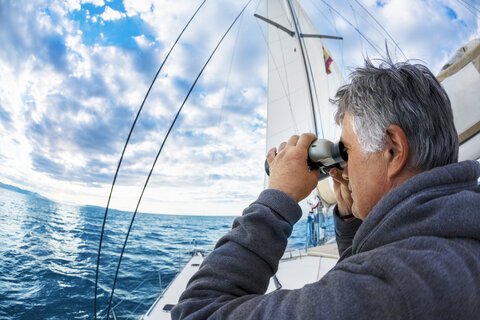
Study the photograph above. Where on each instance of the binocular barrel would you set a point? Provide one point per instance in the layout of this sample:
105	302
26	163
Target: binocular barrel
323	155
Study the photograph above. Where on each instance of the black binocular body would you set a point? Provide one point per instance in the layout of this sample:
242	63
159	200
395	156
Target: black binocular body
323	155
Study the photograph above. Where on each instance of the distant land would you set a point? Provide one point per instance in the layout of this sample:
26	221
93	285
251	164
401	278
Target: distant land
37	195
20	190
112	210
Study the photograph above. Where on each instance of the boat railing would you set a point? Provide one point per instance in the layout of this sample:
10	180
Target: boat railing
303	252
180	267
133	312
294	254
181	258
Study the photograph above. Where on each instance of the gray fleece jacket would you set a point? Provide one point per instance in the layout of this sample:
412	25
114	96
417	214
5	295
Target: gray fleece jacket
416	256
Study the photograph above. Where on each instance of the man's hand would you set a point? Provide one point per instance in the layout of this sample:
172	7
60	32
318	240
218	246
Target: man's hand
342	193
289	171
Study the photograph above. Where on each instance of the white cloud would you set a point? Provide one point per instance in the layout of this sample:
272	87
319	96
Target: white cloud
97	3
133	7
142	41
69	117
72	5
111	15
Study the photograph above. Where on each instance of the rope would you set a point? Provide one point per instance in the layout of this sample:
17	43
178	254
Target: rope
222	105
121	159
305	63
469	6
381	26
159	152
356	29
357	25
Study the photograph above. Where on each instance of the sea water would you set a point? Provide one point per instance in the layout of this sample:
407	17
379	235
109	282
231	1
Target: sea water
48	256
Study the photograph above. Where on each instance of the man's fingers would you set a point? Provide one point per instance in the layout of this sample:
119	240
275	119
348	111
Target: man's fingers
271	155
292	141
303	141
306	140
337	176
334	174
281	147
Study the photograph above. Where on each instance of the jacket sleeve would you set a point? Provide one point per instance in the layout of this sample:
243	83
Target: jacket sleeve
232	280
344	233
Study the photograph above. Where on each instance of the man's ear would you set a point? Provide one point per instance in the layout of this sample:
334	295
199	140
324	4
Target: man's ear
396	150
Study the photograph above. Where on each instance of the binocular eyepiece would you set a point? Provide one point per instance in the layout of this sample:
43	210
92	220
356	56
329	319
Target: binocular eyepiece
323	155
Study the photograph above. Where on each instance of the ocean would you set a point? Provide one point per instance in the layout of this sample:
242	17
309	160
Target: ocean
48	256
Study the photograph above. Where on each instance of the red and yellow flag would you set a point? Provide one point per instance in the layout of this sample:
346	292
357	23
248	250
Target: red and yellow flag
328	60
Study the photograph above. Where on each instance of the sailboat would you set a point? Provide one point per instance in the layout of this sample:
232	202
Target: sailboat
302	77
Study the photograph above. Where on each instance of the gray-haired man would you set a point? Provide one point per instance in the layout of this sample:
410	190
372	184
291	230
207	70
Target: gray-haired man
416	254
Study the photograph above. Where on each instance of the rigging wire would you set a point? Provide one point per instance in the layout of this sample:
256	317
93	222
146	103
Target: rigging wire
469	5
160	150
123	153
342	43
381	26
462	4
222	105
288	92
328	19
306	65
357	25
331	21
332	125
356	29
328	16
311	74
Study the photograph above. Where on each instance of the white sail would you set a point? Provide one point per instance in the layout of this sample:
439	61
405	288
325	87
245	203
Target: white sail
299	86
461	79
302	77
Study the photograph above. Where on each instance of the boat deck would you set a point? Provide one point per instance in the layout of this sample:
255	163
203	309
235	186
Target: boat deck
296	269
161	308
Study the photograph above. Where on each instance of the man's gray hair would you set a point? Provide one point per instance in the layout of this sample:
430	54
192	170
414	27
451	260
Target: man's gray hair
407	95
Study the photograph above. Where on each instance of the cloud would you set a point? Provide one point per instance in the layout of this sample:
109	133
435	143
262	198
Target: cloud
74	74
432	40
31	35
97	3
5	118
110	14
43	164
143	41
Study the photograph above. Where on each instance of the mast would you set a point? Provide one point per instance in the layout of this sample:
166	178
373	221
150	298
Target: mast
299	87
300	42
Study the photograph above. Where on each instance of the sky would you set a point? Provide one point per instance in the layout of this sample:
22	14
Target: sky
73	74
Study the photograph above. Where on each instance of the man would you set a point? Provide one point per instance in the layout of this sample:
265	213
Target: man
416	255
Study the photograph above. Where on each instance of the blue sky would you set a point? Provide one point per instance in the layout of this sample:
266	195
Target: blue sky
73	74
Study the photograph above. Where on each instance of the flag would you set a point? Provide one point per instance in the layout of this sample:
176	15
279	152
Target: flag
328	60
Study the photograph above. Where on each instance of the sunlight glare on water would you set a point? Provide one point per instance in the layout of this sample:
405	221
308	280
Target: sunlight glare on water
48	256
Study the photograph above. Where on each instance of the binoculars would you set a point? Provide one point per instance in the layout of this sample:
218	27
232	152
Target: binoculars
323	155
